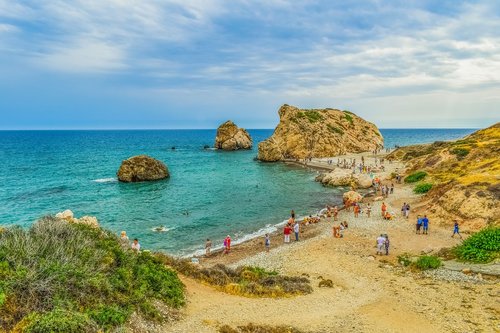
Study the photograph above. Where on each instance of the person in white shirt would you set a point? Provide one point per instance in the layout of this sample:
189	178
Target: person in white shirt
380	244
296	229
136	246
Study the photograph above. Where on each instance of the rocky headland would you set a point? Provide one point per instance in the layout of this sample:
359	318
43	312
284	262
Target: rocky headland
316	133
231	137
142	168
464	175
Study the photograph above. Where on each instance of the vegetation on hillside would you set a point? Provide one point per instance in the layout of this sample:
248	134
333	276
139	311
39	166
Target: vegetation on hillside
482	247
415	177
61	277
422	188
246	281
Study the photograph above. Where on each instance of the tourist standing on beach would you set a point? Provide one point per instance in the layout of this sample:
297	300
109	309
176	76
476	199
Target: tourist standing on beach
425	224
368	210
456	230
208	247
296	229
386	244
380	244
227	244
403	209
384	209
287	231
356	210
419	224
267	242
407	210
335	213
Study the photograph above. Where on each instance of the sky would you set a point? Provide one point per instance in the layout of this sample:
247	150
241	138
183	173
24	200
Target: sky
118	64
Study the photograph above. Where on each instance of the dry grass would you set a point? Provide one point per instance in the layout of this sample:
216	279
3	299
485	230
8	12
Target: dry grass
252	328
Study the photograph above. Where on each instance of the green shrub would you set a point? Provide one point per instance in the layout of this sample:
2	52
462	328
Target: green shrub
59	321
348	117
415	177
334	129
404	259
460	152
422	188
481	247
427	262
313	116
79	270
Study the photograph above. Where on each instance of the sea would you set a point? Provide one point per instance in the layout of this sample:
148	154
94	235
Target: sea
210	193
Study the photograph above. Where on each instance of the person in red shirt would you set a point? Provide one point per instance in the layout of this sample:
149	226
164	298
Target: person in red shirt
287	231
384	209
227	244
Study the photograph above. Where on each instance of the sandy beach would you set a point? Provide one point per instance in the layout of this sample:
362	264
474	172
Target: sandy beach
370	293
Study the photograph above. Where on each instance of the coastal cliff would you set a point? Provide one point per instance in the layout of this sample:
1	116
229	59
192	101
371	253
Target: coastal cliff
465	177
318	133
231	137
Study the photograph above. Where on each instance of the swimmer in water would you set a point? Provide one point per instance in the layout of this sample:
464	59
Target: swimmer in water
160	228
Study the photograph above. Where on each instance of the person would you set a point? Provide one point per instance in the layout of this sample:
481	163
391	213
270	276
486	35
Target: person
403	209
425	224
456	230
335	213
356	210
227	244
342	228
368	209
392	188
292	214
267	242
208	247
345	224
136	247
386	244
419	224
296	229
407	210
287	231
380	243
384	209
124	239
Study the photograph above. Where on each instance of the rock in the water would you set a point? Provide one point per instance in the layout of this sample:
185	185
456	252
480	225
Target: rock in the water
318	133
231	137
142	168
351	197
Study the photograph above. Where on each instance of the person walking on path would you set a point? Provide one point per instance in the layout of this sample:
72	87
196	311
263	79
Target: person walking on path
456	230
425	224
384	209
267	242
386	244
407	210
296	229
419	225
356	210
208	247
368	209
287	231
380	244
403	210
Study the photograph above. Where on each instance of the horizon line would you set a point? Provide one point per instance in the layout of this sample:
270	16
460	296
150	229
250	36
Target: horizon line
192	129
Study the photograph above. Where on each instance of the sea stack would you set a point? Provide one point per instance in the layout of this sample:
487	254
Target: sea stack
308	133
231	137
142	168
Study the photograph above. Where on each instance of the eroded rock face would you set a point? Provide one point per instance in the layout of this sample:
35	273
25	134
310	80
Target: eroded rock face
231	137
142	168
68	216
345	177
318	133
351	197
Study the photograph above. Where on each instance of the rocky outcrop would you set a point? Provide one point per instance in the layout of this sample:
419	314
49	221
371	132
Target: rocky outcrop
68	216
465	177
318	133
142	168
351	197
231	137
345	177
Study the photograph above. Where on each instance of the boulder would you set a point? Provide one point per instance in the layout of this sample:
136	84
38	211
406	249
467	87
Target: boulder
351	197
344	177
68	216
318	133
65	215
231	137
142	168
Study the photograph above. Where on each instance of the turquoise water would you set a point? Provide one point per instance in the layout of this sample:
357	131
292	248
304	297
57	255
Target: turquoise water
210	193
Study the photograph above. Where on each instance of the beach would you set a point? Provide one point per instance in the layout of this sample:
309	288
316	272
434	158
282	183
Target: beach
370	293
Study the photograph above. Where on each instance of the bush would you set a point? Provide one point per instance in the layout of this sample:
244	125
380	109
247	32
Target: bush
415	177
56	270
481	247
348	117
460	152
246	281
422	188
334	129
427	262
59	321
404	259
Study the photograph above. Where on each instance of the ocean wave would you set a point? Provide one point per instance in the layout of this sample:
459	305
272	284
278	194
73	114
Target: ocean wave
105	180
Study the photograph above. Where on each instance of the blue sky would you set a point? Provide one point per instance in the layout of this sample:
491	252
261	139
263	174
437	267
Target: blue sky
194	64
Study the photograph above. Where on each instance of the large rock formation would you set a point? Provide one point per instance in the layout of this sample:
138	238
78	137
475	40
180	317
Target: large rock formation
231	137
345	177
318	133
465	175
68	216
142	168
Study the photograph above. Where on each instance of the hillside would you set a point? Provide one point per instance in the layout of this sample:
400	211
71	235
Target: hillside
465	177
